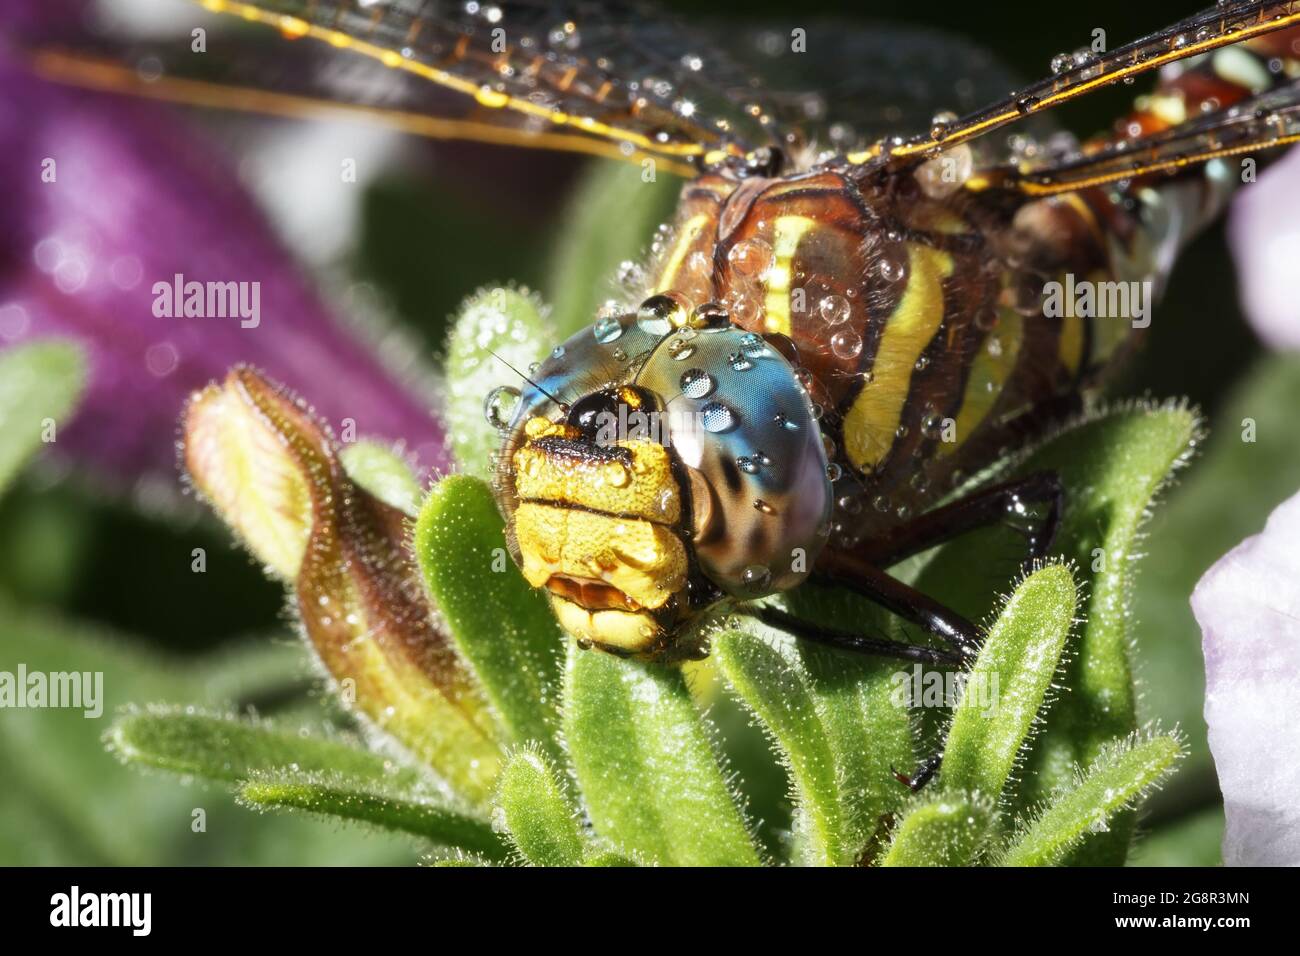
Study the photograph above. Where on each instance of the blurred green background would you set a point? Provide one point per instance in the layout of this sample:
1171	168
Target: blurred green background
88	575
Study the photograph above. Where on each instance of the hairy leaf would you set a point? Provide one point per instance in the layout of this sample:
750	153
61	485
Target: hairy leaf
837	729
941	829
384	473
646	766
1116	779
513	324
503	627
336	795
1014	670
542	824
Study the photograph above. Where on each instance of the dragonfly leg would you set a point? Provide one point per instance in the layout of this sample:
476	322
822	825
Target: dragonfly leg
922	774
858	574
988	506
852	641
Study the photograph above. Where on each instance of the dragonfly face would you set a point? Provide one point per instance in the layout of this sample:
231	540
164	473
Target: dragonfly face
663	462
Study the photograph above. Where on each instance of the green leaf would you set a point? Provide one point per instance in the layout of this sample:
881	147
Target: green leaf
642	756
1112	468
611	217
384	473
336	795
499	624
513	324
1117	779
53	759
1014	670
941	829
542	824
230	749
837	730
40	385
608	858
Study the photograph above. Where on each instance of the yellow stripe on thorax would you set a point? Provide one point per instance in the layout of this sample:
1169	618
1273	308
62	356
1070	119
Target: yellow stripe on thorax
989	372
690	232
872	421
787	231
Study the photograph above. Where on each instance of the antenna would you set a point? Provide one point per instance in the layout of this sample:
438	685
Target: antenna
564	406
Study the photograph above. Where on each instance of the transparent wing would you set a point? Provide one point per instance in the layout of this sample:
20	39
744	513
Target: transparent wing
622	74
842	86
1266	121
1227	23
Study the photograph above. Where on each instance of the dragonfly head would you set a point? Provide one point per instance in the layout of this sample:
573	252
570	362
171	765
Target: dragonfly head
658	463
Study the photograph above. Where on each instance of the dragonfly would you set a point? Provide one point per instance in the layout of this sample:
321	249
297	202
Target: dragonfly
864	298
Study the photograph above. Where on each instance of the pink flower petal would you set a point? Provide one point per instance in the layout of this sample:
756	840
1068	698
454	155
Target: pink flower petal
1248	607
1264	231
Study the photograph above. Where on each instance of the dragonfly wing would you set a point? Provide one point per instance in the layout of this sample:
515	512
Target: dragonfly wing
620	78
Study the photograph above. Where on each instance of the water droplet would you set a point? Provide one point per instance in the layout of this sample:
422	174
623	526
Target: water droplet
846	344
834	309
941	124
748	465
1062	62
892	268
631	275
739	362
880	503
681	348
696	383
743	305
711	317
660	314
762	506
753	345
499	406
756	578
750	257
850	504
922	363
557	352
607	329
784	422
833	472
716	417
620	354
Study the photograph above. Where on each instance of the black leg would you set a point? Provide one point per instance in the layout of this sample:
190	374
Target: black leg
849	641
922	775
1011	499
857	574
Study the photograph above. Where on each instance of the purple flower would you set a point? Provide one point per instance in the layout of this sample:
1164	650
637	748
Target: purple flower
1248	607
107	202
1265	235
